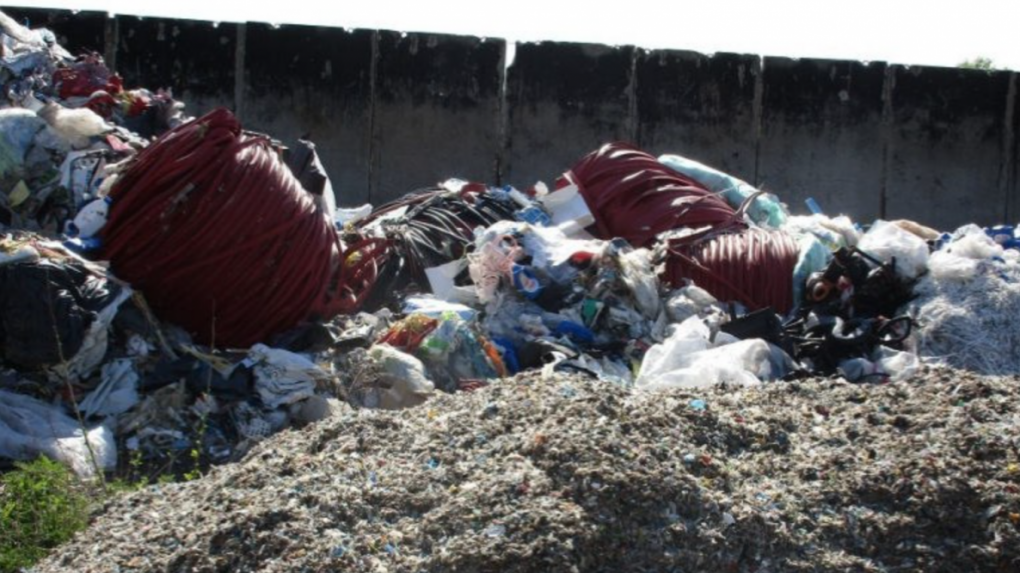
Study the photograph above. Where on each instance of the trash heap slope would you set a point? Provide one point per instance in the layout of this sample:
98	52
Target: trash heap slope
564	473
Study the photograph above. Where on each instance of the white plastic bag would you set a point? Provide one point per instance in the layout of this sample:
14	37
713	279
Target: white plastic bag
689	301
436	307
640	278
898	364
688	359
344	215
29	428
886	240
834	233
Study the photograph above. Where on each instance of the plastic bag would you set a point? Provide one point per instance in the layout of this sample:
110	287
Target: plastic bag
688	359
18	128
886	240
437	308
899	364
93	348
404	382
283	377
640	278
29	428
689	301
834	233
53	309
76	126
884	363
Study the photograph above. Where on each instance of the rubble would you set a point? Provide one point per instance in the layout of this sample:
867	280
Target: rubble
564	472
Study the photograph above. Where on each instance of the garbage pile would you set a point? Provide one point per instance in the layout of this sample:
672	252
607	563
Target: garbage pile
566	473
175	290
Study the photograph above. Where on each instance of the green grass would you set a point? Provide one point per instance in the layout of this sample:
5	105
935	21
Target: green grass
42	504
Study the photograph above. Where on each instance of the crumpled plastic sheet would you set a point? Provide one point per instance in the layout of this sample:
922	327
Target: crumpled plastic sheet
93	349
401	381
886	240
30	428
690	359
117	391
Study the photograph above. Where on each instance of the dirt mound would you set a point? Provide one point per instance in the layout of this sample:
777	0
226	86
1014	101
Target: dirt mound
567	474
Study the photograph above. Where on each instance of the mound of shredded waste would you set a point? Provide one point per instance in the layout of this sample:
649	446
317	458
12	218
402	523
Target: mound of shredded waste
564	473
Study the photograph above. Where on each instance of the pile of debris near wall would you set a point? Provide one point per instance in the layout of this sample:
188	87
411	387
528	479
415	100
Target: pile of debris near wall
644	362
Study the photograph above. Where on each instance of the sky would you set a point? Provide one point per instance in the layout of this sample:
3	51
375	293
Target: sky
935	32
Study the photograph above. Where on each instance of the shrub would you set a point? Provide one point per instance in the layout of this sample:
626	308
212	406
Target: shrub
41	506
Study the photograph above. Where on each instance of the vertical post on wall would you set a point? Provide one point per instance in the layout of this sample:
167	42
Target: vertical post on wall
888	119
111	37
632	98
503	113
757	114
240	77
1007	169
373	136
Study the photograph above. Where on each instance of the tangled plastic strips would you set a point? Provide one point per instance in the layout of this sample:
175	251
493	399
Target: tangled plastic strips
490	264
969	322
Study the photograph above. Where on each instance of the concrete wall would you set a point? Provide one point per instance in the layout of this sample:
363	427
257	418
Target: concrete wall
435	111
700	106
395	112
303	81
564	100
822	133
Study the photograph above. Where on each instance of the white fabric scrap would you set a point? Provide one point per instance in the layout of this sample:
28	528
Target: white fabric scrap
283	377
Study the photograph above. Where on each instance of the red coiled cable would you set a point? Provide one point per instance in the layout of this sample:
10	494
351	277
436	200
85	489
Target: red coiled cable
753	266
633	196
210	224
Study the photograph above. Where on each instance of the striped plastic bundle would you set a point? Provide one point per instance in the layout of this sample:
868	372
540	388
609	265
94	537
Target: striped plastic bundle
753	266
633	196
221	238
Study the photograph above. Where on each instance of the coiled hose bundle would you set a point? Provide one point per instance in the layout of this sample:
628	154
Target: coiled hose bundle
633	196
753	266
221	238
